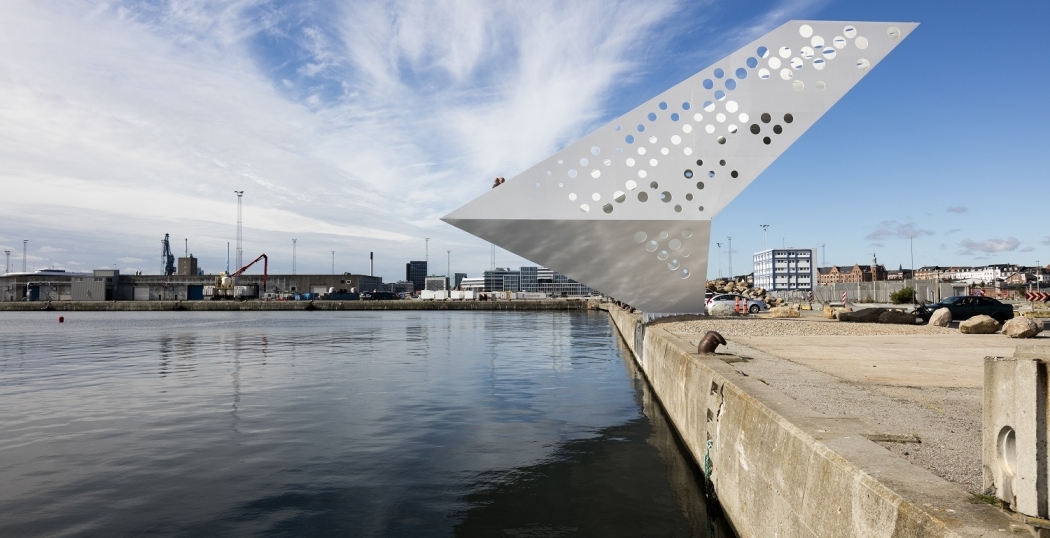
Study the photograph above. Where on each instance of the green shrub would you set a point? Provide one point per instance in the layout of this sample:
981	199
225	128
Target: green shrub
904	295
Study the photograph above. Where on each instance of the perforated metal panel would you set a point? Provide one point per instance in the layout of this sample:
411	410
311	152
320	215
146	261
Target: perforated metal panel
627	209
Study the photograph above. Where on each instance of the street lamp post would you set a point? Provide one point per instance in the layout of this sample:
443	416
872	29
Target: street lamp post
719	259
448	268
24	243
764	228
333	262
293	255
730	256
7	264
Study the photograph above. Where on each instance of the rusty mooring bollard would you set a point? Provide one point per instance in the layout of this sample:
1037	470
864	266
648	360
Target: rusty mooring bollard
709	343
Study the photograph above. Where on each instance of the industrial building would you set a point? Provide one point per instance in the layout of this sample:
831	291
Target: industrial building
784	269
416	273
528	279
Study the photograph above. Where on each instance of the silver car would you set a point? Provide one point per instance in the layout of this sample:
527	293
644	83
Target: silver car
754	306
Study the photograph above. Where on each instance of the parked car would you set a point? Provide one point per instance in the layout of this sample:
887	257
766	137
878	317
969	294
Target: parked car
966	306
754	306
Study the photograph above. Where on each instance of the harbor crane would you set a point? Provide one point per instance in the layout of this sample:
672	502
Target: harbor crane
225	288
167	257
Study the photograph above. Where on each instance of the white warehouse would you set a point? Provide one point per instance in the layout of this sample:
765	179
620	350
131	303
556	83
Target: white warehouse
785	269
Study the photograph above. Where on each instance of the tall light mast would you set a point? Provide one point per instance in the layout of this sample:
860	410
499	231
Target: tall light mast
240	232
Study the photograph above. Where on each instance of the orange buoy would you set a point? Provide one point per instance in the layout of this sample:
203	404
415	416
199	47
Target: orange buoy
61	319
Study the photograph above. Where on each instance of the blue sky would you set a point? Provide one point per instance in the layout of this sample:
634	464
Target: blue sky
353	126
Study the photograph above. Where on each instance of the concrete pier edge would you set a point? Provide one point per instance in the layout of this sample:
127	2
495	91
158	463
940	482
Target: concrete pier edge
320	305
780	469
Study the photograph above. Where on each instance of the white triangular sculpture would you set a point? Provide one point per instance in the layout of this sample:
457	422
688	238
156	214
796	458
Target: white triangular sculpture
627	209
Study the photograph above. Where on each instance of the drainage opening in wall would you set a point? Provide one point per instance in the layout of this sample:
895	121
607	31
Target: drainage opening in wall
1006	451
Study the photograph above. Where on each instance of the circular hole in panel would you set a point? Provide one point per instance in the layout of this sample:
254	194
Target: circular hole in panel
652	162
640	237
711	173
788	118
755	129
595	150
677	208
654	185
699	162
642	196
830	53
641	127
752	62
641	151
805	30
849	31
652	139
596	197
548	172
734	174
572	196
798	85
652	116
709	106
763	73
687	233
732	107
778	129
629	161
686	128
700	185
607	162
664	151
720	117
817	42
665	197
607	208
652	245
806	53
722	162
572	172
684	274
685	105
719	95
708	84
730	84
642	174
774	63
796	63
561	184
689	197
862	42
617	127
687	150
732	129
701	208
674	116
743	117
1006	450
663	235
675	139
741	73
698	117
584	161
537	184
863	64
766	118
662	255
785	74
619	196
688	174
684	253
785	52
629	139
719	73
673	264
560	161
631	185
767	140
674	244
820	85
762	52
619	151
839	42
663	105
709	128
818	64
893	32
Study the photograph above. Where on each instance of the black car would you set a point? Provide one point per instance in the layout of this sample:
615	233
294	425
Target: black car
966	306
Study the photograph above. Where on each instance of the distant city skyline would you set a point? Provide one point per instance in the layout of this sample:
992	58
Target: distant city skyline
353	128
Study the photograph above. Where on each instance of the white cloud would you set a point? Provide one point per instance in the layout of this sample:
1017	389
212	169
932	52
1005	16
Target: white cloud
956	209
989	245
892	228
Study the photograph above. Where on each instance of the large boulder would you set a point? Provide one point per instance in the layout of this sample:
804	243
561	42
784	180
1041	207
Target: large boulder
865	315
979	325
722	309
783	312
942	317
897	316
1022	327
829	312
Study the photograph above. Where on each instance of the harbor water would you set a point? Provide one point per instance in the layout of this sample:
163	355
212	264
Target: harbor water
334	424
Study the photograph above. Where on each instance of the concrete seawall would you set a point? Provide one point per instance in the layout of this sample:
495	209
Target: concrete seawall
225	306
780	469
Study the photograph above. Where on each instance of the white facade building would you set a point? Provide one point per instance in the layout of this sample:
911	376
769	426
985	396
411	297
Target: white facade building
784	269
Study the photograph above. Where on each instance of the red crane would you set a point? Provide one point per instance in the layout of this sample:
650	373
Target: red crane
266	262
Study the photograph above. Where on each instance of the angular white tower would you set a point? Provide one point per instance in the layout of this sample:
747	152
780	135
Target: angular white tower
627	209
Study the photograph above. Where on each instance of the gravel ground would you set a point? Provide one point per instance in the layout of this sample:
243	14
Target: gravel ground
946	420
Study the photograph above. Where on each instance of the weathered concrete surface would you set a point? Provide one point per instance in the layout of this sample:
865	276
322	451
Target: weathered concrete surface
783	470
115	306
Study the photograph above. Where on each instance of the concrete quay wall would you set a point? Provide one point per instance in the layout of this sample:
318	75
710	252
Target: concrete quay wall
225	306
779	469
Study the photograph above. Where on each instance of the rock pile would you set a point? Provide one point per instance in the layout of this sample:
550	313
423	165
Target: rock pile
741	287
1022	327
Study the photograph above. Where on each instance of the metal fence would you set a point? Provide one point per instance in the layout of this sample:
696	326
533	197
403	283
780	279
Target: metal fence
877	292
